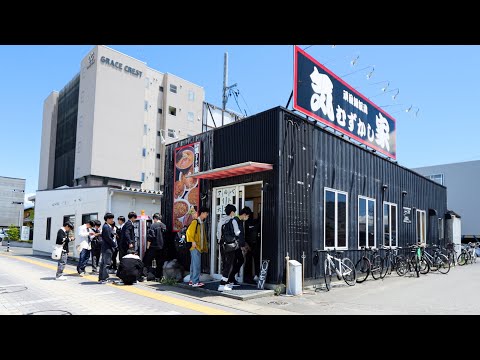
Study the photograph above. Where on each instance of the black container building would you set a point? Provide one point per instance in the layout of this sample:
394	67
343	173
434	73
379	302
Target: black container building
312	188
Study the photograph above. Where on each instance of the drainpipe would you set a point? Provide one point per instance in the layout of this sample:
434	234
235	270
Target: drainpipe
109	206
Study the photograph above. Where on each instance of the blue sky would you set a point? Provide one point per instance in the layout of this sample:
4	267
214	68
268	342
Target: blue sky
442	81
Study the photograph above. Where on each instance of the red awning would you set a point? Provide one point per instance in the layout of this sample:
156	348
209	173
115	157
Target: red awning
232	170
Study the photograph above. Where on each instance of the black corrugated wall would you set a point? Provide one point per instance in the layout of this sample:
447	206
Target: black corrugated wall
312	158
306	159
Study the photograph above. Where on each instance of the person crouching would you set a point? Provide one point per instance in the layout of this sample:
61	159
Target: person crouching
130	268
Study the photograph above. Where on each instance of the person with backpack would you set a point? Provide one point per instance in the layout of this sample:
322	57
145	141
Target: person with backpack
227	228
238	259
197	235
155	248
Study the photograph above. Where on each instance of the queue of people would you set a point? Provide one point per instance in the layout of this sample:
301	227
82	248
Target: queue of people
236	236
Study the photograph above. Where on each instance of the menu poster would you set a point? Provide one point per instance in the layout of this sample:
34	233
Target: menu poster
186	191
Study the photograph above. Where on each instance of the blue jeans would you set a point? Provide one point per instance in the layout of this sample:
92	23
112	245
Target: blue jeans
104	263
82	260
195	266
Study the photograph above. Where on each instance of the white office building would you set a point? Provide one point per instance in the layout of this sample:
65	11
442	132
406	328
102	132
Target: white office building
109	125
12	193
463	192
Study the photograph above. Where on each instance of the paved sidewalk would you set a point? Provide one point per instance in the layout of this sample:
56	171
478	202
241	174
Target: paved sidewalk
28	285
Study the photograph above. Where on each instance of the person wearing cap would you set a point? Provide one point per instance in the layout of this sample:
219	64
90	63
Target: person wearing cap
63	239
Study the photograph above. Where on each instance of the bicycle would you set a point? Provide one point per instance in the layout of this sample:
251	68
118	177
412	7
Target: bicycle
464	257
392	258
345	269
411	264
365	267
437	261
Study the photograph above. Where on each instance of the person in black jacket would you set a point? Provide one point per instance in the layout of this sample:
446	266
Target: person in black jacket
96	243
127	238
238	260
108	246
130	268
63	239
155	248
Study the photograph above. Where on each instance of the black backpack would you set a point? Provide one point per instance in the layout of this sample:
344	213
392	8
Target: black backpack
228	233
181	243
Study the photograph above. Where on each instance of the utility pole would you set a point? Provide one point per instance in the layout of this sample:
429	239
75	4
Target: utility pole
225	87
225	81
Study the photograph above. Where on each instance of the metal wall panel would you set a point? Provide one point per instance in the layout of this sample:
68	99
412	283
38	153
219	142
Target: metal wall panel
306	159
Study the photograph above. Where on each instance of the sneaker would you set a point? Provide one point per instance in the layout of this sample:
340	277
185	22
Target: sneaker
234	283
225	287
81	273
199	284
119	282
61	278
102	281
190	283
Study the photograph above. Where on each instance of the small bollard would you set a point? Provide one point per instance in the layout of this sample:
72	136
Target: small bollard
8	245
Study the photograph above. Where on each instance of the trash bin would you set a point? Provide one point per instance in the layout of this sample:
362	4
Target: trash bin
295	278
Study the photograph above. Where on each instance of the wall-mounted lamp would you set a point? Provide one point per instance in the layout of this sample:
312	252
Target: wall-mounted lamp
384	187
404	193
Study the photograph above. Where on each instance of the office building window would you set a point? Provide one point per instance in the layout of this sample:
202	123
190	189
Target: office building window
105	181
49	228
158	156
160	88
191	95
173	88
128	183
172	111
157	179
160	111
144	152
190	116
146	105
336	219
145	129
88	217
158	133
437	178
171	133
142	177
70	218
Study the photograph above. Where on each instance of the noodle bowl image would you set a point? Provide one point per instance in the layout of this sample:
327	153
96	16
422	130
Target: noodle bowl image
180	208
184	158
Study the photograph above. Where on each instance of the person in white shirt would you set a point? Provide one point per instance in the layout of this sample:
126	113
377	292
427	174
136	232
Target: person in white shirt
83	246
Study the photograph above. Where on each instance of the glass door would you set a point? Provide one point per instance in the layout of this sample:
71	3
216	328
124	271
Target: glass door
223	196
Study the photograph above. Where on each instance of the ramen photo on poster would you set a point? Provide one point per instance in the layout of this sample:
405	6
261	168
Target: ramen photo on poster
186	190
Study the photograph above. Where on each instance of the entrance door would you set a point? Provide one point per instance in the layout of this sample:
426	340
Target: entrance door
235	195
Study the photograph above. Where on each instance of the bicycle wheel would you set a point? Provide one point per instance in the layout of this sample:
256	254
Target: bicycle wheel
462	259
348	272
424	266
327	272
473	257
363	269
451	258
443	264
387	268
377	267
402	267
